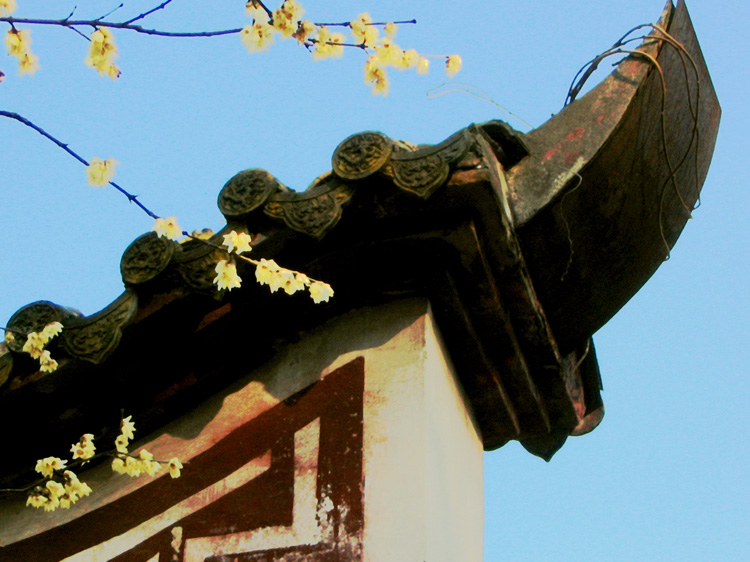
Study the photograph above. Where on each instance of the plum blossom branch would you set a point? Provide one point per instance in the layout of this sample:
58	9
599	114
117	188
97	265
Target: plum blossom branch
131	26
99	173
132	198
286	22
59	486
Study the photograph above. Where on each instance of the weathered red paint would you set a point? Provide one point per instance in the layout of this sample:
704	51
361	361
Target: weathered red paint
266	501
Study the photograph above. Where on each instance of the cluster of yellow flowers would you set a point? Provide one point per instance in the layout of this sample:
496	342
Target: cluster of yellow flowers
63	488
287	21
102	49
267	272
85	448
100	172
18	43
144	463
226	270
35	342
55	494
102	52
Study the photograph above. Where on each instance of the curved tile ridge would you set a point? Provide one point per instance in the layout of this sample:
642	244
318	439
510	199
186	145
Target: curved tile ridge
256	201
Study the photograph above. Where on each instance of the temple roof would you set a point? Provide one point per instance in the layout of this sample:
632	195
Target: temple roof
525	245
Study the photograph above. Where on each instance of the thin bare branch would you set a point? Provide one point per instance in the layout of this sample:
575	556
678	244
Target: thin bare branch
73	11
111	12
81	33
151	11
348	24
95	23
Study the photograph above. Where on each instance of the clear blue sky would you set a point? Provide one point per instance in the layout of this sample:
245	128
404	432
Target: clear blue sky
665	476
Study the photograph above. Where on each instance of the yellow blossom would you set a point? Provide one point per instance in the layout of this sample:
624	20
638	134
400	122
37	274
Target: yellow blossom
127	427
452	65
286	18
53	492
167	228
7	7
34	345
55	489
382	85
320	291
283	25
288	281
113	71
9	337
293	284
100	172
238	243
51	330
390	29
18	42
83	489
372	65
322	48
362	32
265	271
174	467
133	467
304	30
121	444
258	36
46	363
85	448
67	499
51	504
28	64
226	276
359	25
389	53
151	467
47	466
277	280
268	272
410	58
36	500
102	52
334	43
118	465
293	8
376	76
147	463
74	487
